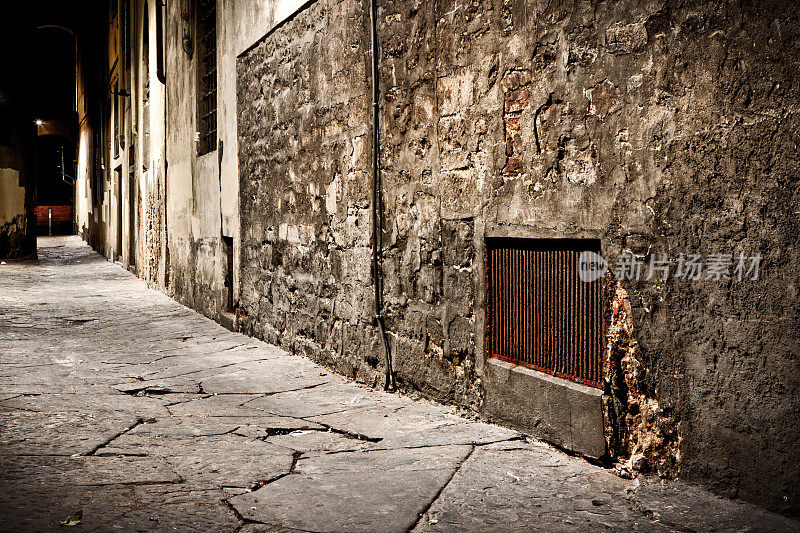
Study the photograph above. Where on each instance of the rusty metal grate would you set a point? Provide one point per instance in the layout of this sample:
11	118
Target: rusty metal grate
539	312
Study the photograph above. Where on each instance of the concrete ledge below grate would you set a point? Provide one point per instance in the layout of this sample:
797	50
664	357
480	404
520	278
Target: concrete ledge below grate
567	414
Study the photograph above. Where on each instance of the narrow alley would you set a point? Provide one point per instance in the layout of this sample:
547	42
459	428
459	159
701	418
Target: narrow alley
146	415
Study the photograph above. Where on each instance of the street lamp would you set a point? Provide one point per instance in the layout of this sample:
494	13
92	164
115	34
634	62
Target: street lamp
39	122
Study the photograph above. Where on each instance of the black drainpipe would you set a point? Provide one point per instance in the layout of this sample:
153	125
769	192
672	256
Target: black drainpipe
377	214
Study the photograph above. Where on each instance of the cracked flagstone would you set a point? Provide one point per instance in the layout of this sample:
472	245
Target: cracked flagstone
117	400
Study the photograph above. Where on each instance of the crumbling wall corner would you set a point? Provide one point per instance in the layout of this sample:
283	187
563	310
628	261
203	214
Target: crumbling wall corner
642	435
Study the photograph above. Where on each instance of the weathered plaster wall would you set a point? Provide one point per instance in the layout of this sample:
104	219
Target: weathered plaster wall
152	144
198	261
88	174
13	218
103	181
84	207
177	206
203	191
12	196
656	127
252	19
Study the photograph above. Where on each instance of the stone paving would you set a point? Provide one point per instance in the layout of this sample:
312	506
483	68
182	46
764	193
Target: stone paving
117	400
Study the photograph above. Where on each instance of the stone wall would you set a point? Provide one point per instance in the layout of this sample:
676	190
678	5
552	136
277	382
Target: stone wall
657	128
304	123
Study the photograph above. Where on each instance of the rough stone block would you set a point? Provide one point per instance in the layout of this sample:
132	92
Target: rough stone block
462	200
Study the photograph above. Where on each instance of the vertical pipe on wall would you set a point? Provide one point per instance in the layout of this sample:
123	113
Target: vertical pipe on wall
377	216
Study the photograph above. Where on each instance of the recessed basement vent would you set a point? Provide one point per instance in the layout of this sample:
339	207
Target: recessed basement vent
539	313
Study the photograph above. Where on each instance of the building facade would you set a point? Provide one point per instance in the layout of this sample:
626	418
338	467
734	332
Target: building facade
228	154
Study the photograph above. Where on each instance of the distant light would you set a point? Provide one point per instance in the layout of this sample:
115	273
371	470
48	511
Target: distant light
39	122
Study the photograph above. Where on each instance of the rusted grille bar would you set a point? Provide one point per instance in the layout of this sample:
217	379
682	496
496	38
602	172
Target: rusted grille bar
539	312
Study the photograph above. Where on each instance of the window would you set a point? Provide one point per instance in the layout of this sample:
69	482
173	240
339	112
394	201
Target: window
146	89
99	149
116	118
106	141
161	73
206	36
539	313
127	47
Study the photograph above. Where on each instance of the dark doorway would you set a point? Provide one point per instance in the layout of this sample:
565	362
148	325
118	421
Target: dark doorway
228	244
118	200
133	204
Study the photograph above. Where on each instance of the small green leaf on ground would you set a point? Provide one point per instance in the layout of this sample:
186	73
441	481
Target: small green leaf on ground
433	521
74	519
